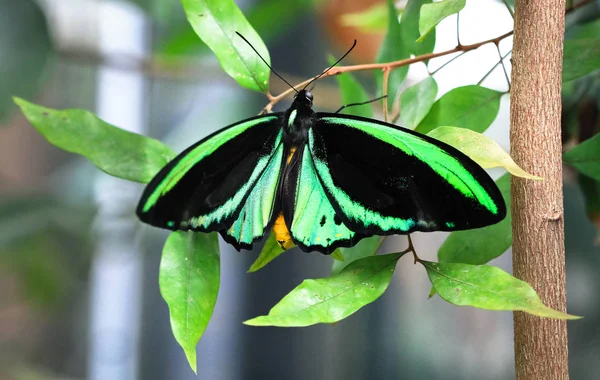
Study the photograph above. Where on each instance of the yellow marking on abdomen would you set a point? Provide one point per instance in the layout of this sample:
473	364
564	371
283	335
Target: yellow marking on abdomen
282	233
291	154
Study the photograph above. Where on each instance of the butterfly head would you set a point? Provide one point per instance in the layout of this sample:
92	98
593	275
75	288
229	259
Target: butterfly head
303	98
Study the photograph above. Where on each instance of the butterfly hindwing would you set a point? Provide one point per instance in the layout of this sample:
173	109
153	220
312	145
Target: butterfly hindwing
384	179
313	222
205	187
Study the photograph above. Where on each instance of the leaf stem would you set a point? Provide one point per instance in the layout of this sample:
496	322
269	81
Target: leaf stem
411	248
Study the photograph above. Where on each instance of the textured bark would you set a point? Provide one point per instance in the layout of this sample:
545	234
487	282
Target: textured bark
537	206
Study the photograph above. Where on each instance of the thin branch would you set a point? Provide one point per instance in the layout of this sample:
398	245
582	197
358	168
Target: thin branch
386	77
503	65
420	58
386	65
447	63
395	115
494	68
405	62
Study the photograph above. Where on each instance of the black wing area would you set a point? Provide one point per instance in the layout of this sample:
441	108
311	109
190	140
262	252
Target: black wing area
385	179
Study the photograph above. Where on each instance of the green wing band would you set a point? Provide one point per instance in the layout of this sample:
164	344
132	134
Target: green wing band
257	212
314	221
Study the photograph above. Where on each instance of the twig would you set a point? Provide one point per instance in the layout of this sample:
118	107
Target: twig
503	65
411	248
386	77
405	62
447	63
494	67
387	65
395	115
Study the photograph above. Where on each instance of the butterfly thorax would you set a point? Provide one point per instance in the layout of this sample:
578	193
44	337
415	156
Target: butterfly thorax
298	119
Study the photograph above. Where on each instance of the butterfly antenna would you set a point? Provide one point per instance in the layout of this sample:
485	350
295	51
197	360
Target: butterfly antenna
266	63
332	66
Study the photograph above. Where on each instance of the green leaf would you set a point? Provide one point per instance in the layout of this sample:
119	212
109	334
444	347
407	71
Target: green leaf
487	287
581	57
590	190
38	264
289	13
160	10
481	245
25	48
270	251
366	247
410	29
113	150
584	31
480	148
337	255
416	101
189	283
370	20
216	23
392	49
328	300
26	215
353	92
432	14
473	107
585	157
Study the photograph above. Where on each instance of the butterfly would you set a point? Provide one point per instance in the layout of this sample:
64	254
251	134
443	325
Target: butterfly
320	181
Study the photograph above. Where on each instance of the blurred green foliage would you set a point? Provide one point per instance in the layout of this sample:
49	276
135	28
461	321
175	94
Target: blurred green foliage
25	48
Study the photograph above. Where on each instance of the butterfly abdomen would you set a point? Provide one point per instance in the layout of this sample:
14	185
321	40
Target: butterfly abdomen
282	233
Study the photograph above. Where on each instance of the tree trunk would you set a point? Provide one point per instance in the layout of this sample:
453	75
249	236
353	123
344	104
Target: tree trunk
537	206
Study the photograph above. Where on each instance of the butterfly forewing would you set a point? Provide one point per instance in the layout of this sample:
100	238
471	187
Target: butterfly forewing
384	179
205	187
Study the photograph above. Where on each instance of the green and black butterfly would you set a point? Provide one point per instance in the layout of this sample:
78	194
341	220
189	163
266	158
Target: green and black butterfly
332	180
320	180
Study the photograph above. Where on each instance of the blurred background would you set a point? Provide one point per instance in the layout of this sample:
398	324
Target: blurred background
79	294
